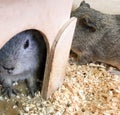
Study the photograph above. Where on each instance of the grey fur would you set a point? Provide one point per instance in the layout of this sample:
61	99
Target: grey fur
21	58
97	36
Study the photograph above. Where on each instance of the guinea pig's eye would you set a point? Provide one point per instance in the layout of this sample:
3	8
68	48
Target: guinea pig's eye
26	44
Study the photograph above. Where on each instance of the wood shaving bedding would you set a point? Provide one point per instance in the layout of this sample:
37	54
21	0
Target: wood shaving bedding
87	90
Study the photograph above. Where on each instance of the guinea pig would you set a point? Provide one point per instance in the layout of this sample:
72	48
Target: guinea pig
96	37
22	58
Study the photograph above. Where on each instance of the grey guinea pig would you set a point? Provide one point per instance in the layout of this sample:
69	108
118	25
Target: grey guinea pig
20	59
97	36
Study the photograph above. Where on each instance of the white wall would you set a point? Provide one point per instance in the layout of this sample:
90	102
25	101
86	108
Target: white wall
105	6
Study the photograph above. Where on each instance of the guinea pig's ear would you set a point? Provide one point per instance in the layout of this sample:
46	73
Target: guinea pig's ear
89	22
84	4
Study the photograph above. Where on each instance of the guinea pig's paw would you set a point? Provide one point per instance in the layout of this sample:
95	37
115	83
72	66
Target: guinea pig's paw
114	72
32	91
84	60
8	91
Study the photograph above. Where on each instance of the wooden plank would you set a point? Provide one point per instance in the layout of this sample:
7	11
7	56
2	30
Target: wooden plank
58	59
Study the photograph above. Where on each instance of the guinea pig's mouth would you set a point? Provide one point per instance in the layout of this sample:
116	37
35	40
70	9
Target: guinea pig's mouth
8	69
